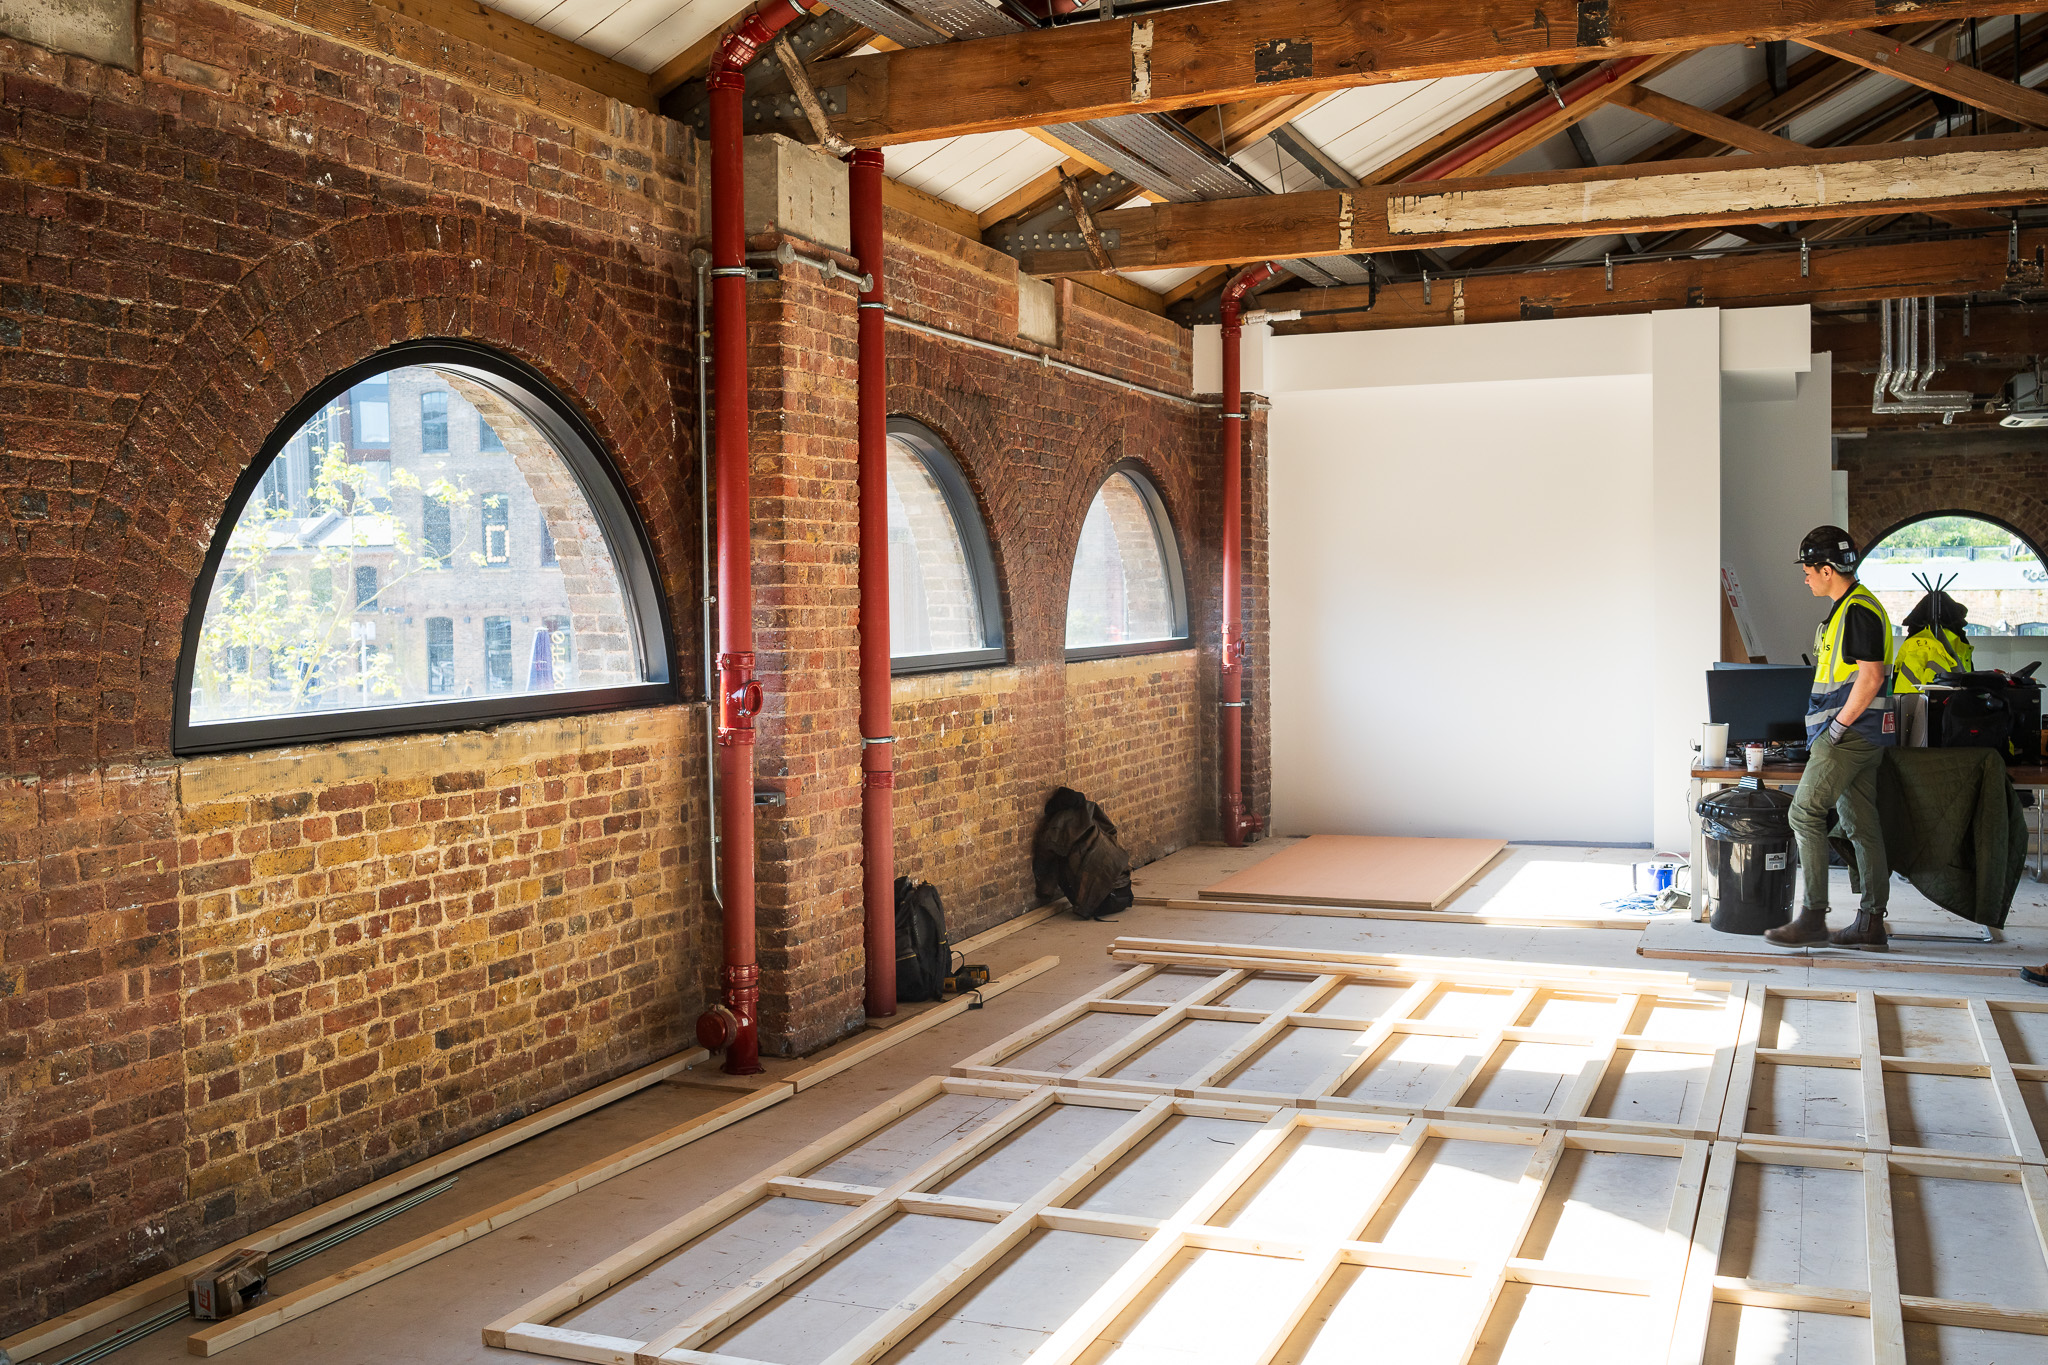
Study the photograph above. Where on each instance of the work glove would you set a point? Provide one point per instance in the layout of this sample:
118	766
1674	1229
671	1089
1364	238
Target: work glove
1836	730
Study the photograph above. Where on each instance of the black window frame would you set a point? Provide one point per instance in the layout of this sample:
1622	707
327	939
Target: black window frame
581	449
1168	537
974	542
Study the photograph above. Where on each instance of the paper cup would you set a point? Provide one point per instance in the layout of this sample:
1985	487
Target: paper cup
1753	757
1714	746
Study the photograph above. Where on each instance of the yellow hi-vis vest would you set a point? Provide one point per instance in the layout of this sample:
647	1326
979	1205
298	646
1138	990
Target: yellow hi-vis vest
1929	653
1834	676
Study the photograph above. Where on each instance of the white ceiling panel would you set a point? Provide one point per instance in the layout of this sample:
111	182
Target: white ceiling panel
641	34
1363	129
975	171
1159	281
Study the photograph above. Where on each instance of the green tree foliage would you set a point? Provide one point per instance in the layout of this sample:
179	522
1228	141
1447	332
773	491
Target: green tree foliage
280	622
1949	533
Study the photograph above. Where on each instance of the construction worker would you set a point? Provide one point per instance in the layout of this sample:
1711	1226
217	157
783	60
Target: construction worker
1849	724
1934	643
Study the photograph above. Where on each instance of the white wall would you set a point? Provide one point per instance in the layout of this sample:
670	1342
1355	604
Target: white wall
1442	557
1776	485
1494	544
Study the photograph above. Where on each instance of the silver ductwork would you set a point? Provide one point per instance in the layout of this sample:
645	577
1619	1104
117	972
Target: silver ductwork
1903	372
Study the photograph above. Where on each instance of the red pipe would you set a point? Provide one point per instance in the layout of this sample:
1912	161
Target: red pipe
878	750
734	1024
1236	822
1571	94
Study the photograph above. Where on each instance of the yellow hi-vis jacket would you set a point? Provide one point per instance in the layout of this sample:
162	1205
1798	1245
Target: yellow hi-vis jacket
1929	653
1834	676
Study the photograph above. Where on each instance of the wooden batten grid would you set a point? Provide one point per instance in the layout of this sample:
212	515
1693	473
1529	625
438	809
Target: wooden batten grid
1974	1054
1202	1224
1605	1050
1726	1038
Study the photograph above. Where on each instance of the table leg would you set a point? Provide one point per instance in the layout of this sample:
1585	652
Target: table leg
1695	791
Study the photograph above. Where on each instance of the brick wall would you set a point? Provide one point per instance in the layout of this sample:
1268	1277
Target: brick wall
238	986
1888	486
233	987
1133	744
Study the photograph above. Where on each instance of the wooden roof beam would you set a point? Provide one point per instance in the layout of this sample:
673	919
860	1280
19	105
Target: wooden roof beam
1979	89
1253	49
1840	275
1954	173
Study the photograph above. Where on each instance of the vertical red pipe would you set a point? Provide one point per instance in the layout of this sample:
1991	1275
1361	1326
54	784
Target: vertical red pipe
878	747
1236	823
734	1024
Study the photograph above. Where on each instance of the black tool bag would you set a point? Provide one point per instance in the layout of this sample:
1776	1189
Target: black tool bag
1977	719
924	955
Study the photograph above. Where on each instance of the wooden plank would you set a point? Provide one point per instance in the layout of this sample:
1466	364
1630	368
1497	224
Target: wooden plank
881	1040
1270	48
1887	1327
918	204
1361	870
1941	75
730	1308
1381	912
1834	276
1877	1131
330	1288
631	1260
1706	123
171	1283
1464	968
1852	182
2012	1104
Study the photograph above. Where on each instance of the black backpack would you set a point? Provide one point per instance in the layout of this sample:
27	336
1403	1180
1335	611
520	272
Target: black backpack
923	953
1976	720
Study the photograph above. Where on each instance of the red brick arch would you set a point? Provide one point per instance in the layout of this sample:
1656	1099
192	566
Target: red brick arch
301	314
2008	486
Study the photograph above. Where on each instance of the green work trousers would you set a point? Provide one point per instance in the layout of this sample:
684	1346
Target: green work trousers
1841	774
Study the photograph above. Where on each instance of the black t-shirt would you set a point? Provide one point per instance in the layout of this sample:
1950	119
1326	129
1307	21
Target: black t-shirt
1862	634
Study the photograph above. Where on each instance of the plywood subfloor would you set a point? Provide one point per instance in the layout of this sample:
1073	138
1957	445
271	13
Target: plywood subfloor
1362	869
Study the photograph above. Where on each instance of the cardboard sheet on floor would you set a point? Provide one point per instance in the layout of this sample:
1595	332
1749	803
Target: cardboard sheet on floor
1362	869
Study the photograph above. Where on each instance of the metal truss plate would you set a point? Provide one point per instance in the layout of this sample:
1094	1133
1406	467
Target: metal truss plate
1068	240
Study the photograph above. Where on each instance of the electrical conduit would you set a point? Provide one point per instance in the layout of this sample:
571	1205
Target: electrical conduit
878	749
734	1024
1236	822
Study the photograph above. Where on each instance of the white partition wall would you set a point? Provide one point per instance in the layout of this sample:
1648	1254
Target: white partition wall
1495	573
1776	486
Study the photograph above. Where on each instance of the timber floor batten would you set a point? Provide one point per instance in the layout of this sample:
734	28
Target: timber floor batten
1205	1129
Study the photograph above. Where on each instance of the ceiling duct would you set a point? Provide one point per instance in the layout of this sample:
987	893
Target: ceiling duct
963	18
892	22
1903	373
1158	154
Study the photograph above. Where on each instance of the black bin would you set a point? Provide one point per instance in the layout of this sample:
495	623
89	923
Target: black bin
1751	860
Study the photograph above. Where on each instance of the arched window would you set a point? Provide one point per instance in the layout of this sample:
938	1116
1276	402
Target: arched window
1126	595
384	566
1993	571
944	607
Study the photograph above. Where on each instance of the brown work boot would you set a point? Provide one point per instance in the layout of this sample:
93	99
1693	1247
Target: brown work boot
1867	932
1811	927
